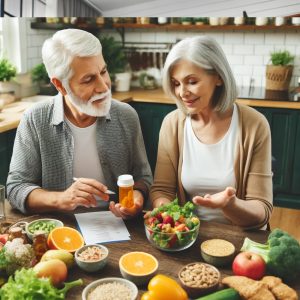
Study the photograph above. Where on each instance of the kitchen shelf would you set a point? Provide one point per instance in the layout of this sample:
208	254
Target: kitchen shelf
58	26
207	27
122	26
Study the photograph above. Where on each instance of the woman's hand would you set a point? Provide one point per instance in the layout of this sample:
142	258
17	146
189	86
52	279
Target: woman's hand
219	200
82	193
128	213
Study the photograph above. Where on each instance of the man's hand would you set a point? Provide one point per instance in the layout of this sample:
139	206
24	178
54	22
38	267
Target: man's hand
128	213
82	193
219	200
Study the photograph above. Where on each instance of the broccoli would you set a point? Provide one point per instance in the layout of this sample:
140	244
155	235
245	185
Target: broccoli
281	254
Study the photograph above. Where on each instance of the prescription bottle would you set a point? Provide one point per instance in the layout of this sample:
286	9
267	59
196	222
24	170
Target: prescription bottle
125	183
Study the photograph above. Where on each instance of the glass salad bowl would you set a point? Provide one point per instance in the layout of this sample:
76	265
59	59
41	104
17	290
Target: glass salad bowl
171	227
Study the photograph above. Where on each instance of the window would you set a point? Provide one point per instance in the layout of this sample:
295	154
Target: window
1	38
12	36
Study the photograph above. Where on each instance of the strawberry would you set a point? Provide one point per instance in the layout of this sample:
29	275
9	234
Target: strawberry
169	220
159	217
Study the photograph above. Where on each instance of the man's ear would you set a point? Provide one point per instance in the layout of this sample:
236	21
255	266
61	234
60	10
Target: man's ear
58	84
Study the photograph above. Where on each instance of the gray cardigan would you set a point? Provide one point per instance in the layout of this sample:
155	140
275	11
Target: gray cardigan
44	150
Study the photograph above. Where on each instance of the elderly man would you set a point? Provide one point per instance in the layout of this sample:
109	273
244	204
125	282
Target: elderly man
82	133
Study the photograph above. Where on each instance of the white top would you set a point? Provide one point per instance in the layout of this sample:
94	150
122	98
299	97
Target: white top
86	158
209	169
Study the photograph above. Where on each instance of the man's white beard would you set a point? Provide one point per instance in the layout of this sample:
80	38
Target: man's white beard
95	110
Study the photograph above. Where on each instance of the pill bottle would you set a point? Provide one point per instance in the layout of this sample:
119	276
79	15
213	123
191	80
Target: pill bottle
125	183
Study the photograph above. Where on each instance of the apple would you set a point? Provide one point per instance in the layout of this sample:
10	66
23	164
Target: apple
249	264
54	269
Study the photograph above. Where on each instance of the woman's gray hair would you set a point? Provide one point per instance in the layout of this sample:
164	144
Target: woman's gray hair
204	52
59	51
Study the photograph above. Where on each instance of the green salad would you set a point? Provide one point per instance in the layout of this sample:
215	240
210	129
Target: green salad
172	227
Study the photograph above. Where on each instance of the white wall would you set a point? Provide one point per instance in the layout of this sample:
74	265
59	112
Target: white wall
13	7
247	52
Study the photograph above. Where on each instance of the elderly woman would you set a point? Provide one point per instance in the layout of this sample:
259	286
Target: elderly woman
212	150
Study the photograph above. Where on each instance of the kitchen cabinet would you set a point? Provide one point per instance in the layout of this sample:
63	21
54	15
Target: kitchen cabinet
285	131
151	116
6	147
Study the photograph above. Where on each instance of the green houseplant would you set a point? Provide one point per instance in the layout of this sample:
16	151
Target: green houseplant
117	63
282	58
40	76
113	54
279	72
7	72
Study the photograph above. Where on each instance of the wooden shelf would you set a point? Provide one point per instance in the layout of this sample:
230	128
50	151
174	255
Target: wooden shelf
58	26
208	27
93	27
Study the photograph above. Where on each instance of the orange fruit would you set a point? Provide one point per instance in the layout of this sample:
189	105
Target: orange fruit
138	263
65	238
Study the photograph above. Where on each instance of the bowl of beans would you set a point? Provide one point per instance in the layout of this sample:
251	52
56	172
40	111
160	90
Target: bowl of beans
110	288
199	279
45	225
91	258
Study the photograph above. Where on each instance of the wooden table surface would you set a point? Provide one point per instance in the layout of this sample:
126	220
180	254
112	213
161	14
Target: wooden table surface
169	263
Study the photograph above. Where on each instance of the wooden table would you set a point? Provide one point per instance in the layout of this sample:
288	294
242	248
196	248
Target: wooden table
169	263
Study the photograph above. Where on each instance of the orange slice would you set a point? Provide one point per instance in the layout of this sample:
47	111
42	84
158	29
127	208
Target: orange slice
138	263
65	238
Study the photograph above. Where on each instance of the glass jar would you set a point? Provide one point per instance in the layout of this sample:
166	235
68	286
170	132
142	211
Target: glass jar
125	183
39	244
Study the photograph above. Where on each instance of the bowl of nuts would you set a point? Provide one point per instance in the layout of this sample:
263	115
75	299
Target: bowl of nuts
91	258
199	279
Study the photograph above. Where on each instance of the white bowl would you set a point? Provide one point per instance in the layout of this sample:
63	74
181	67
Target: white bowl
89	288
30	234
92	266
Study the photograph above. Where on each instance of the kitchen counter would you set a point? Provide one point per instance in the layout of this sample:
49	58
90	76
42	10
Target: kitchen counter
11	114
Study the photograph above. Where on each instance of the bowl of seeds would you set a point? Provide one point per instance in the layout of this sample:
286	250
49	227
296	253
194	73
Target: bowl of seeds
217	252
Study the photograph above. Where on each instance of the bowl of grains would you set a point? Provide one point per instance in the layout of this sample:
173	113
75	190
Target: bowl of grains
199	279
217	252
110	288
91	258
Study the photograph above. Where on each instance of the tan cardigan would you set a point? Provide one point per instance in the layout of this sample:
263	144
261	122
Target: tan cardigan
252	160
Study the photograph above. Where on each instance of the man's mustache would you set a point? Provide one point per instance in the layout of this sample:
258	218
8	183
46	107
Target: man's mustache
99	96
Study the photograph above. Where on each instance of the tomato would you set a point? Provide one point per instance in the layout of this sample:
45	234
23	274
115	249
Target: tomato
162	287
3	238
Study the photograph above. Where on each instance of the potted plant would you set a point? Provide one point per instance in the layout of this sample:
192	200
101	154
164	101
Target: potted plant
200	21
279	73
40	76
7	72
186	21
117	63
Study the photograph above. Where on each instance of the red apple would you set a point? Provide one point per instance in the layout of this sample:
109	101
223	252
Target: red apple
249	264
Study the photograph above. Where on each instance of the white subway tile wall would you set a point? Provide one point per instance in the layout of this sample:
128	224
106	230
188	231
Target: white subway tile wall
247	52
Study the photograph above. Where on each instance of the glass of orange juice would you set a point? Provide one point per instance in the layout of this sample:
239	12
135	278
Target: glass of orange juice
125	183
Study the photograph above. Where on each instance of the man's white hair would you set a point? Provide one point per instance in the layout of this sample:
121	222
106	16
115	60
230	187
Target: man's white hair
59	51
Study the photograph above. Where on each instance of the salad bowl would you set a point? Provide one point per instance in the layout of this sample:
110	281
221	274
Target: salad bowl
172	227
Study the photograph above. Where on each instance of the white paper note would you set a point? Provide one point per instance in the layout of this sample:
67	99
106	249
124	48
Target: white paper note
102	227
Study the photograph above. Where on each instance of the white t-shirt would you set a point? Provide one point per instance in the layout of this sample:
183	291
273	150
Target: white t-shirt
86	158
209	168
